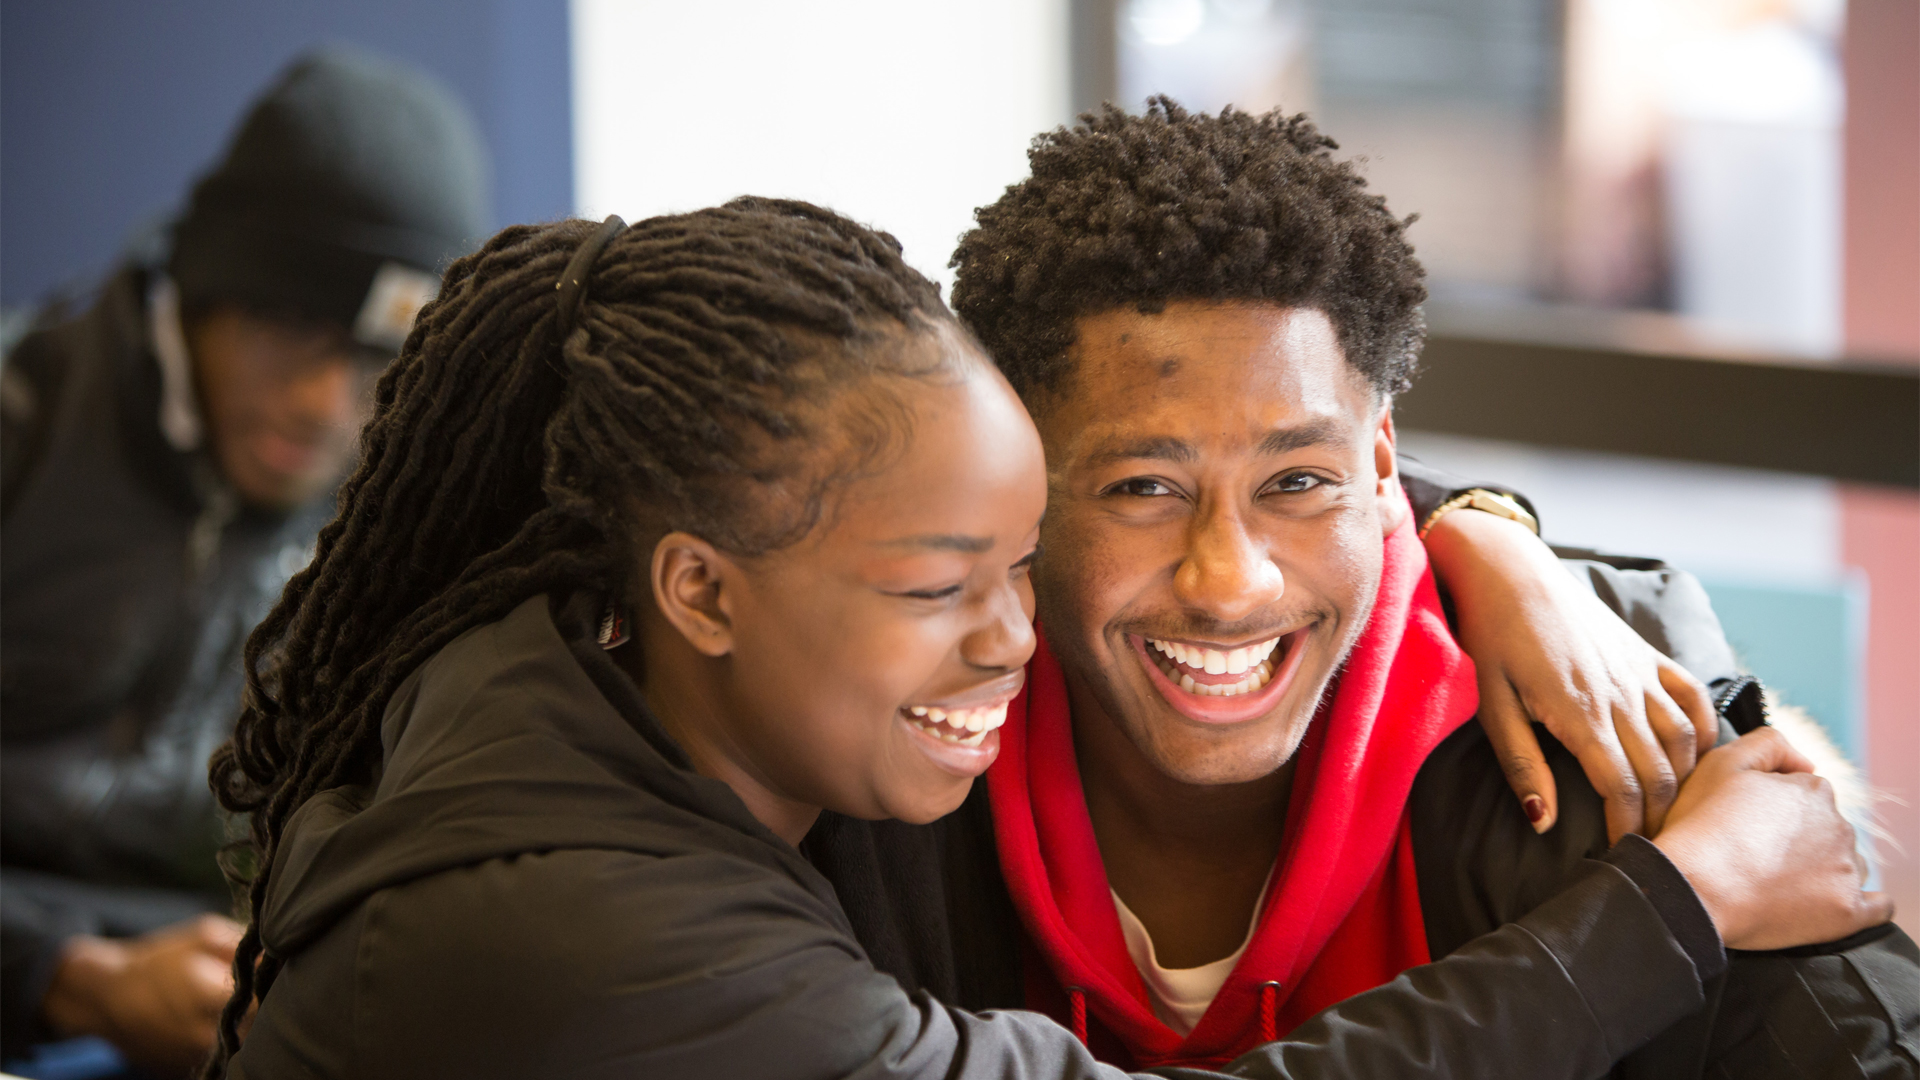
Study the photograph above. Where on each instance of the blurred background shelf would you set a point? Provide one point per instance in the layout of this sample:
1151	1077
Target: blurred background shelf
1532	377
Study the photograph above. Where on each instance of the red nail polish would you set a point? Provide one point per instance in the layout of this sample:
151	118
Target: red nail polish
1536	808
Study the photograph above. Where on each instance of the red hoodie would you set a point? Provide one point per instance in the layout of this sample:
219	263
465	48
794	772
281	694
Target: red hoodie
1342	914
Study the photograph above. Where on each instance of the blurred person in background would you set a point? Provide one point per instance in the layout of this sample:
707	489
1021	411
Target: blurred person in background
169	456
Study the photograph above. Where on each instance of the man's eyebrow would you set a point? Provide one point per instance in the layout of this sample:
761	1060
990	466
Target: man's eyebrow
1311	433
966	545
1162	448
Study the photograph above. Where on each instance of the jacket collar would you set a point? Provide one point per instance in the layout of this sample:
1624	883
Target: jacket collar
179	403
503	744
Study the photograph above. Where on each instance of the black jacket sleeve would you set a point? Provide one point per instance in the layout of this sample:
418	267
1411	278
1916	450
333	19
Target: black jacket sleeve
1566	990
1850	1008
1428	487
1845	1009
614	964
31	380
1598	967
32	934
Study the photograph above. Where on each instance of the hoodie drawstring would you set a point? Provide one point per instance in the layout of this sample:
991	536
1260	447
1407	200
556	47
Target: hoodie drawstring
1077	1006
1269	1010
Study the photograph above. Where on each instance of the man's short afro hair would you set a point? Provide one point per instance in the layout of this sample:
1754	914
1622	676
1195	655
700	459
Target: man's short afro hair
1144	210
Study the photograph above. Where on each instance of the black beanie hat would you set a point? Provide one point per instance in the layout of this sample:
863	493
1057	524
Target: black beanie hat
347	164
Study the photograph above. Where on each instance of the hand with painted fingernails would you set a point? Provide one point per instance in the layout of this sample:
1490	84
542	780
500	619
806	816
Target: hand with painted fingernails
1547	650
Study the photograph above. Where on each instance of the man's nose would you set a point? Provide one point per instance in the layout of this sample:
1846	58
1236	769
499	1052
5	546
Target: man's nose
1005	638
1226	574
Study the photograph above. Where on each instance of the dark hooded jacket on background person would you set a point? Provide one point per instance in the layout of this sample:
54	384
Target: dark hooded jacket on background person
130	572
537	884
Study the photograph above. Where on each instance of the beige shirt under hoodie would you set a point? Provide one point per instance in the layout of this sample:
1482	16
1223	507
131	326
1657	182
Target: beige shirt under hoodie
1181	995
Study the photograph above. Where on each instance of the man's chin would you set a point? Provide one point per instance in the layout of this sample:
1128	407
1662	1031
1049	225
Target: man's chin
278	496
272	489
1242	757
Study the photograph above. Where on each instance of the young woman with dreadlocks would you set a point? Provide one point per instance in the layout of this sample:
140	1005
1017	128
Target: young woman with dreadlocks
663	540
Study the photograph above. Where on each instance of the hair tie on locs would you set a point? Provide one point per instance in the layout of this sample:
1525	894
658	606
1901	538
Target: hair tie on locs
573	280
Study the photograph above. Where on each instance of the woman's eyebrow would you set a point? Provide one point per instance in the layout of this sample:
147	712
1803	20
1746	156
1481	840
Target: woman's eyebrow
967	545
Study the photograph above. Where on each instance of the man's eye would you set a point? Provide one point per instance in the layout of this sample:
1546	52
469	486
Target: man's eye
1294	483
934	594
1140	485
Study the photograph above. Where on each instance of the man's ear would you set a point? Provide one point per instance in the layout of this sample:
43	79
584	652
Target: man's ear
1386	466
693	586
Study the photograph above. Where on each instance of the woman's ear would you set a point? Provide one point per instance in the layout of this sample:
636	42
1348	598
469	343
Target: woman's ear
693	585
1386	467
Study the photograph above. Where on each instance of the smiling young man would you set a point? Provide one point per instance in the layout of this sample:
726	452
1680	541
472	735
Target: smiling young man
1241	785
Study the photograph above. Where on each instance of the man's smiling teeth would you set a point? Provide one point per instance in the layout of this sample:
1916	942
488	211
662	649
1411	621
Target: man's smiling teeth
1215	662
967	727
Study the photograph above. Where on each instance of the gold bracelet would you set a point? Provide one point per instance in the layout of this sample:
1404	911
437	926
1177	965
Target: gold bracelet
1481	499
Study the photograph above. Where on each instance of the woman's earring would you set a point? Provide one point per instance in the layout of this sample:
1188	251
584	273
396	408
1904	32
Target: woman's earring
613	628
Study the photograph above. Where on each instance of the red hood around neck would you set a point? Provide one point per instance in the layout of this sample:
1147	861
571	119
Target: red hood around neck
1343	912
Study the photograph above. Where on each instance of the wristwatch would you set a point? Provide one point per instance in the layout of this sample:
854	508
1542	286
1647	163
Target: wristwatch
1491	502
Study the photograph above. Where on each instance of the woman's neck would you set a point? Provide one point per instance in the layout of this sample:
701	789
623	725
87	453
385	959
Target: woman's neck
682	689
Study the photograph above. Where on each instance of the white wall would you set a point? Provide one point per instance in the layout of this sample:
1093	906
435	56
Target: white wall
905	114
1713	520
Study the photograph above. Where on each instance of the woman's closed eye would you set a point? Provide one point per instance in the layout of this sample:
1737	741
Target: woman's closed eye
946	592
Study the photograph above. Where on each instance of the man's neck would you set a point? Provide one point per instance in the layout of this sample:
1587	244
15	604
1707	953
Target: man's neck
1190	860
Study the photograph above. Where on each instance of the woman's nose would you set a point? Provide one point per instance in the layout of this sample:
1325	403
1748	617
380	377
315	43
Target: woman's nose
1005	637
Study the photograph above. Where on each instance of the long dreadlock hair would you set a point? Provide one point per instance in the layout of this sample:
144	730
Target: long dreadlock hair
502	463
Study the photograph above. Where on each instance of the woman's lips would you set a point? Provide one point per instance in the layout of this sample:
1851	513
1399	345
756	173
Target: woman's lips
961	732
1207	709
962	727
966	759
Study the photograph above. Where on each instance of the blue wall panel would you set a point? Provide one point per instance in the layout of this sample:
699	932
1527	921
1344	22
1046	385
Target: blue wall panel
1807	643
110	108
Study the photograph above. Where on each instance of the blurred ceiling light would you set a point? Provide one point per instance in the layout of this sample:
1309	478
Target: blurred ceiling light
1703	163
1243	11
906	115
1764	73
1165	22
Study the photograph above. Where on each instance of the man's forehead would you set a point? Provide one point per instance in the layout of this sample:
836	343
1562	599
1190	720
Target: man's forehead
1259	374
1232	326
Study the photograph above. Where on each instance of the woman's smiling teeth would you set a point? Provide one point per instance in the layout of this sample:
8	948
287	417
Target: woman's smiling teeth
967	727
1184	661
